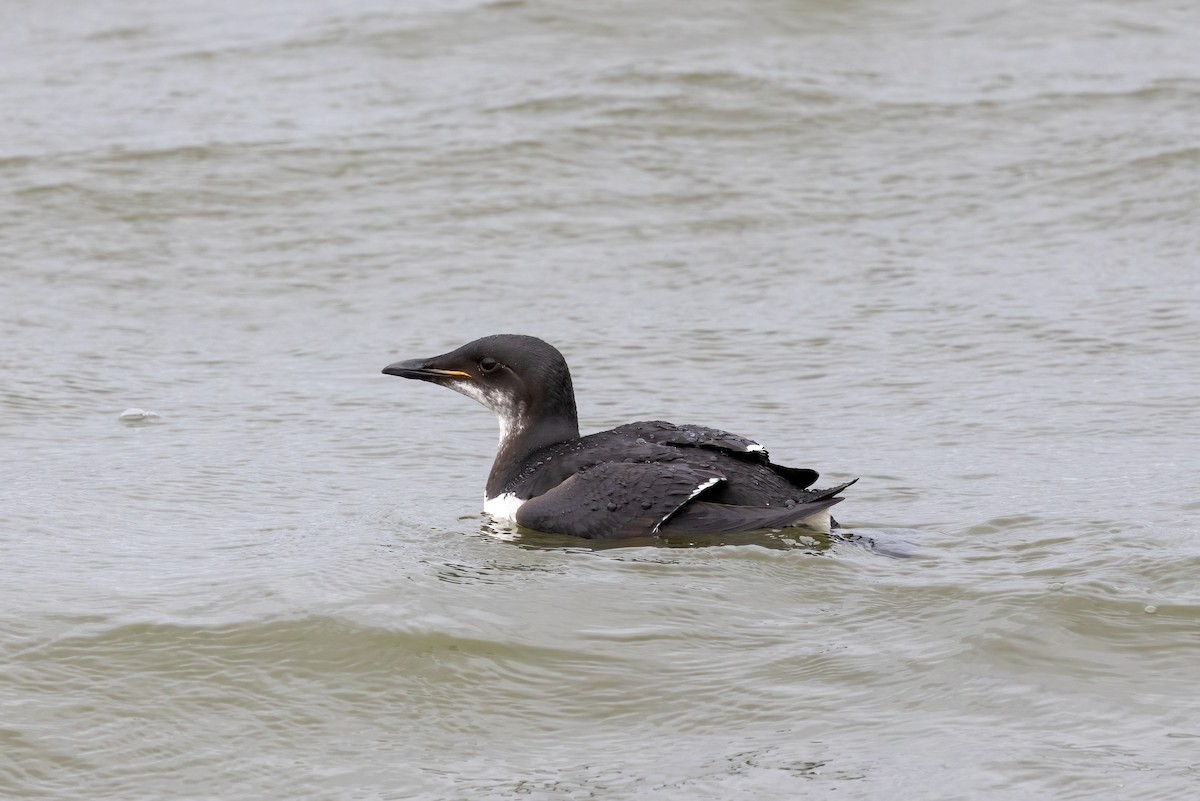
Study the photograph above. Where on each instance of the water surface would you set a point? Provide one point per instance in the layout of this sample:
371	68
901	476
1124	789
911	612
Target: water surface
950	249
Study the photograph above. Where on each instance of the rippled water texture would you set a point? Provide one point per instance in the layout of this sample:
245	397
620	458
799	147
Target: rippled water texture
951	248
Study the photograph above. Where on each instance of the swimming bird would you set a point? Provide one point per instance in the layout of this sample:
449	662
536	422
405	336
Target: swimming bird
636	480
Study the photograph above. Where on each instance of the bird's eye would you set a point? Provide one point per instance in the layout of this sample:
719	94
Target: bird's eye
487	364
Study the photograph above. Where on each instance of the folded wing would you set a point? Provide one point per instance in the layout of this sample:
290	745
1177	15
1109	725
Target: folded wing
614	500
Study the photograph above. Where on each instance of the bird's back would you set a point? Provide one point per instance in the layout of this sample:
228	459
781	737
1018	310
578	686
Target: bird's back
749	477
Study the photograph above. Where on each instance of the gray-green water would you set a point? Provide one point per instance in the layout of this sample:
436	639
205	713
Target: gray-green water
950	248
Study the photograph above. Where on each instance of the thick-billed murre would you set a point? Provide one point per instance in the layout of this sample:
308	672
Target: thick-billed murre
636	480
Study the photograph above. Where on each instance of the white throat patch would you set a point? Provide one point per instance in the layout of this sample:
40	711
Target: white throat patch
498	402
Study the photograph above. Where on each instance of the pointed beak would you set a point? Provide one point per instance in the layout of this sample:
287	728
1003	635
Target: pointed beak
418	368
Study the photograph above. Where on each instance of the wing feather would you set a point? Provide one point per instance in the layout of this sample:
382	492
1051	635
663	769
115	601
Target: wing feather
614	500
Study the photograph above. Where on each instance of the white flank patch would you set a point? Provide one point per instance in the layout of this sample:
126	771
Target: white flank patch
818	521
755	448
503	507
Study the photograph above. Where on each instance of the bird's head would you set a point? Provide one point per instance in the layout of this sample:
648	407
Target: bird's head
524	380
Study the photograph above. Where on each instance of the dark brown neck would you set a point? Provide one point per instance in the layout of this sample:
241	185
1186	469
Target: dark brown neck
528	432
